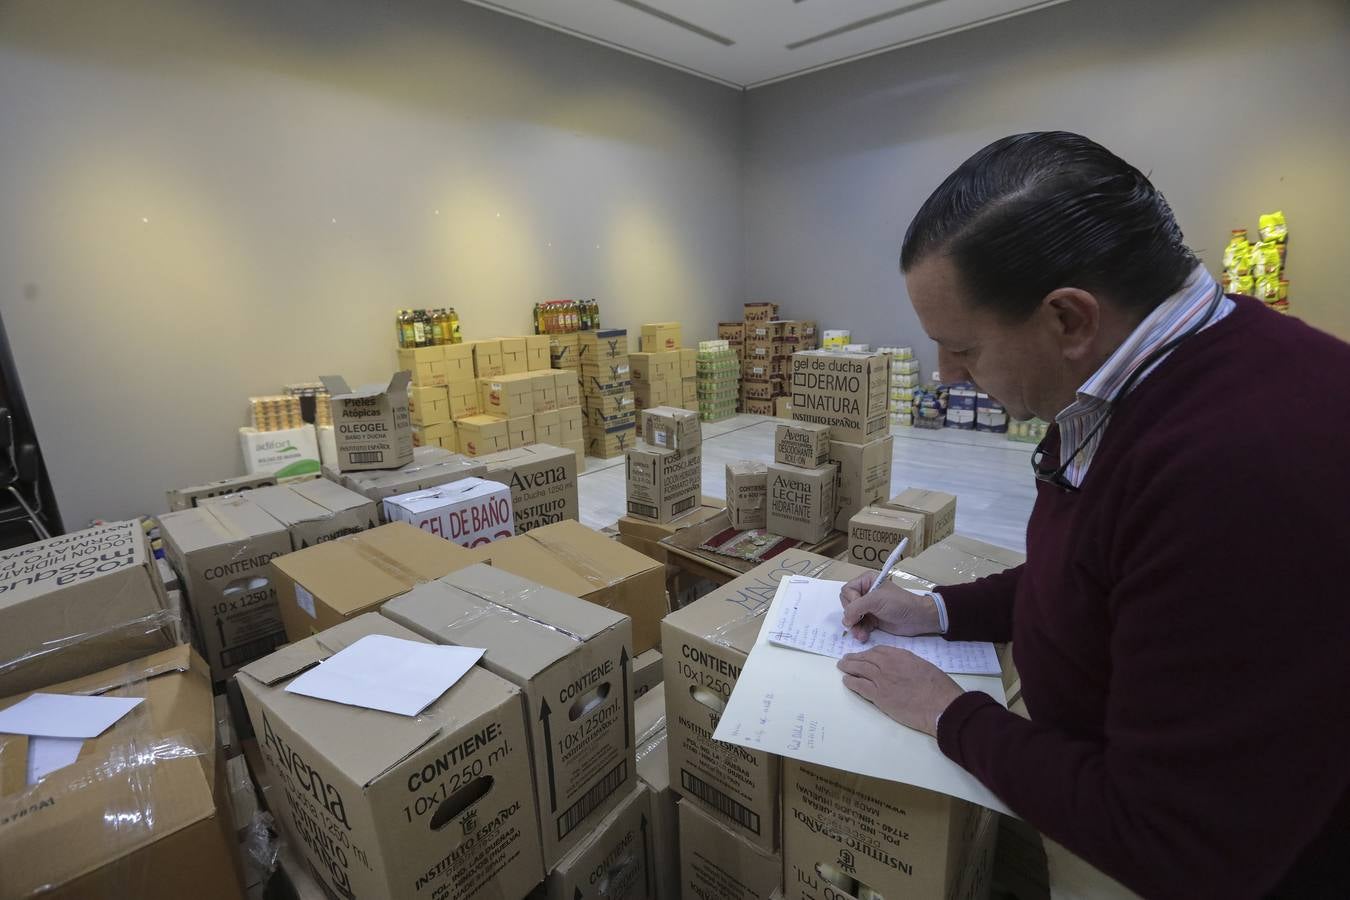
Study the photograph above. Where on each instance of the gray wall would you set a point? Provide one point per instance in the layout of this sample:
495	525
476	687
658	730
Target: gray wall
1237	108
204	200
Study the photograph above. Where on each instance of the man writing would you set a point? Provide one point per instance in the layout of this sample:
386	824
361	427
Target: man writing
1181	623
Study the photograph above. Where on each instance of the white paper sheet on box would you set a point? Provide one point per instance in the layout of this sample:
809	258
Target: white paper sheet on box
65	715
388	674
795	704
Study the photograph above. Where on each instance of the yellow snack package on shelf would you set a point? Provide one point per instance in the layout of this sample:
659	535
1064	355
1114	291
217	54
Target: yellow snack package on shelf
1272	227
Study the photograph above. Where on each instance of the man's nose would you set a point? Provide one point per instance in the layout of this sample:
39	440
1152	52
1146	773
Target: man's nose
949	370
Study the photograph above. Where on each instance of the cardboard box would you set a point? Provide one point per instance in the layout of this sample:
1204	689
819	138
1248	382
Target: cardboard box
379	800
748	494
653	769
570	660
606	378
144	810
733	332
431	466
443	436
537	352
645	536
572	421
648	670
465	399
487	358
188	497
938	511
79	603
567	386
917	843
759	407
458	363
579	561
507	396
520	432
328	584
688	363
481	435
760	312
649	394
543	482
659	336
874	531
316	511
615	860
548	428
846	391
515	355
564	350
470	512
802	444
223	551
864	476
757	386
662	484
428	405
609	442
958	560
543	386
671	429
655	366
594	348
782	407
427	365
801	501
371	424
283	455
717	862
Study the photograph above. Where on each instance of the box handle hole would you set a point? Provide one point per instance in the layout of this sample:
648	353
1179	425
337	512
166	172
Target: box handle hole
459	801
589	701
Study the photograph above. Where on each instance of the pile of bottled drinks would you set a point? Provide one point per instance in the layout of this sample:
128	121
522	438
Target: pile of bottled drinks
566	316
427	327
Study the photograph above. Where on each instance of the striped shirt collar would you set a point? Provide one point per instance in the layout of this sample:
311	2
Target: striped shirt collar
1096	395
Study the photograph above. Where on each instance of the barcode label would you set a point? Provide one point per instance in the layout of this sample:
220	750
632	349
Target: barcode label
694	786
687	503
592	799
642	509
366	456
256	649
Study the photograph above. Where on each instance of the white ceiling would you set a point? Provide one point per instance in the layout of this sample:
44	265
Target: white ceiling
749	43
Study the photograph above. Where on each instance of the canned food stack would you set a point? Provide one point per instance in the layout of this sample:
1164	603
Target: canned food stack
275	412
1031	431
1258	269
719	380
904	381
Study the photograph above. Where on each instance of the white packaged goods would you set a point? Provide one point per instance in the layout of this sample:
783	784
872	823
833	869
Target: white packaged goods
470	511
292	453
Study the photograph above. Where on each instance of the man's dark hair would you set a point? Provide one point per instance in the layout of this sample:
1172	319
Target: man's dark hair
1050	209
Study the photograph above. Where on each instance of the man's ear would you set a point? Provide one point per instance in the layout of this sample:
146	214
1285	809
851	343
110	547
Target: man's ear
1075	317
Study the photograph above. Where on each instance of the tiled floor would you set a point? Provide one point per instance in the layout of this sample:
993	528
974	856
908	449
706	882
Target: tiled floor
990	475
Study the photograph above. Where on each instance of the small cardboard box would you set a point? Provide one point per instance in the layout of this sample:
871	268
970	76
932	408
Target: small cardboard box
428	405
537	352
648	670
442	435
874	531
520	432
330	583
543	386
78	603
223	551
663	484
759	407
316	511
579	561
507	396
748	494
458	363
688	363
802	444
717	862
143	811
548	428
615	860
570	659
758	387
648	394
847	391
655	366
960	559
470	512
427	365
481	435
670	428
733	332
437	803
487	358
610	442
864	476
543	482
431	466
607	377
645	536
919	843
186	498
371	424
801	501
284	455
595	347
653	769
465	398
705	645
659	336
760	312
572	421
564	350
938	511
782	407
515	353
567	386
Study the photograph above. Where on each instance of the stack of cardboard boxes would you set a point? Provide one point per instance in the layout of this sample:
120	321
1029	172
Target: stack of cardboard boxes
801	483
767	344
607	391
664	374
444	388
664	471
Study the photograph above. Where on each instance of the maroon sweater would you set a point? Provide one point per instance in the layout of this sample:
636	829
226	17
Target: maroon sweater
1182	629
